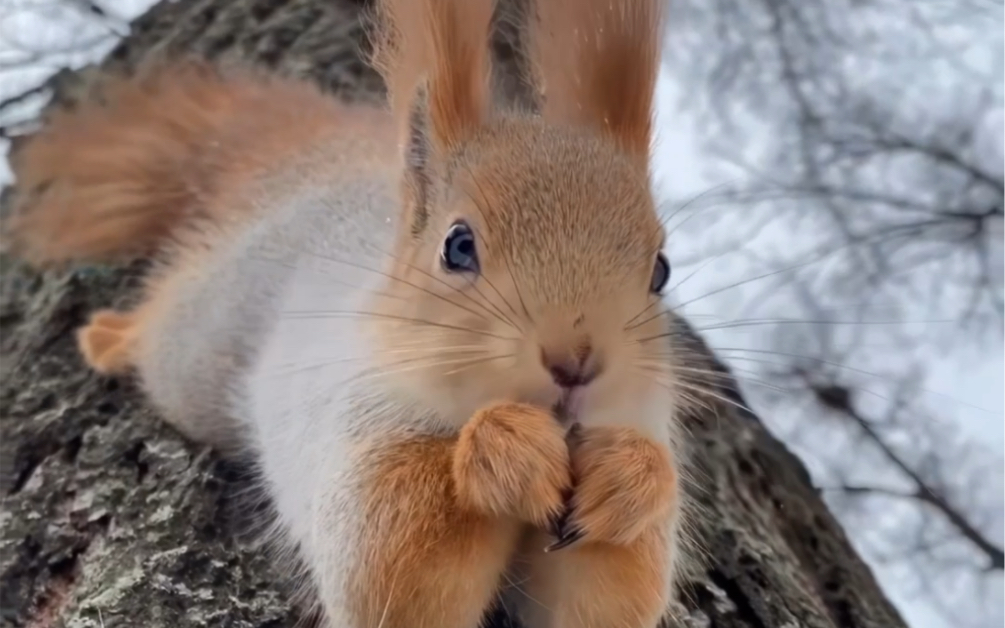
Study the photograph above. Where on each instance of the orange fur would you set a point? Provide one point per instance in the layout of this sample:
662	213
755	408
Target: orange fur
625	484
512	460
611	586
596	585
597	62
616	573
445	44
567	235
116	177
445	517
107	341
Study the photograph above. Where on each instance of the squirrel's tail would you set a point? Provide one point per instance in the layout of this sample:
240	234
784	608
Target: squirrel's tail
116	177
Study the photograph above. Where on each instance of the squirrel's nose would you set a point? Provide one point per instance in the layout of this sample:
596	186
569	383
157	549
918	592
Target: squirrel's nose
570	371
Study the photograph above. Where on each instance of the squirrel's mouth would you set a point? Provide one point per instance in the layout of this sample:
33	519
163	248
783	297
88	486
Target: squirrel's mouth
569	405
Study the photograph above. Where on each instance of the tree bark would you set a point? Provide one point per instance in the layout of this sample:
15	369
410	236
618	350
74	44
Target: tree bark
111	519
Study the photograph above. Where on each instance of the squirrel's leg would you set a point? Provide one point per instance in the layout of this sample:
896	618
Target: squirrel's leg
613	562
444	515
594	585
107	341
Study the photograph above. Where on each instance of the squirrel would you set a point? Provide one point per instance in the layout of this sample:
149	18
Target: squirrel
437	326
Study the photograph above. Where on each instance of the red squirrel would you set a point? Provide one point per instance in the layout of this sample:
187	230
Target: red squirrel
437	326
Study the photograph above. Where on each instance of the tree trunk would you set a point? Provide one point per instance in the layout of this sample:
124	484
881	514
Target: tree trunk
111	519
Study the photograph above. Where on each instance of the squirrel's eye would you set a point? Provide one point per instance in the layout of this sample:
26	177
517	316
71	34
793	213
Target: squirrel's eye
458	253
661	274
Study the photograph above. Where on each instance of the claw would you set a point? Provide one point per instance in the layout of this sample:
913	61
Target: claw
574	434
557	525
568	539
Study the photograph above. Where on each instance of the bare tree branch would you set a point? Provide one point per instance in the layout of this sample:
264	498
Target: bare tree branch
840	399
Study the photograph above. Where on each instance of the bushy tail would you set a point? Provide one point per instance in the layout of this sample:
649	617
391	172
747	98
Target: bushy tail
114	178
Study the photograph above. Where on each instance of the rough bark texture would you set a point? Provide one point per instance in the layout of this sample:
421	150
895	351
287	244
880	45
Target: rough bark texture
110	518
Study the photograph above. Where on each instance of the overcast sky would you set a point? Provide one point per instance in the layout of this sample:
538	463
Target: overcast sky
965	386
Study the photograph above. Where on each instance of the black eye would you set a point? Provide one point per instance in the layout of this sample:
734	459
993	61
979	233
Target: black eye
661	274
458	253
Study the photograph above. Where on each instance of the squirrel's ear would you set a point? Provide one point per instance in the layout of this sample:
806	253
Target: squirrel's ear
442	45
596	64
417	181
434	57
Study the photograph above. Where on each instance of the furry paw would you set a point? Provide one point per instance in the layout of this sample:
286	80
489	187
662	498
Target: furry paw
106	342
512	459
625	483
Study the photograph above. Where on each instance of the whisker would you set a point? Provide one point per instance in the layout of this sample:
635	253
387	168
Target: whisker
715	378
837	249
295	369
845	367
292	368
332	277
757	278
714	395
661	368
682	394
498	313
701	267
509	269
666	334
426	347
737	375
465	363
724	288
387	605
754	322
516	585
628	324
422	362
496	290
690	202
400	280
323	314
481	361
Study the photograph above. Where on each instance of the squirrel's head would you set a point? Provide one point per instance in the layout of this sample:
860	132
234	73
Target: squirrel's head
529	263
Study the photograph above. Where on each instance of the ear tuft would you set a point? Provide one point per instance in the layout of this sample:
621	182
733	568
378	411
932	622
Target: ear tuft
444	44
596	64
459	85
418	180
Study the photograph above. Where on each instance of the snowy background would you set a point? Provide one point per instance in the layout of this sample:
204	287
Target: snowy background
833	176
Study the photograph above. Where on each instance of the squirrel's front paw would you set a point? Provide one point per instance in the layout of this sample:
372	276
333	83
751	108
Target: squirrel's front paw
625	483
512	459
